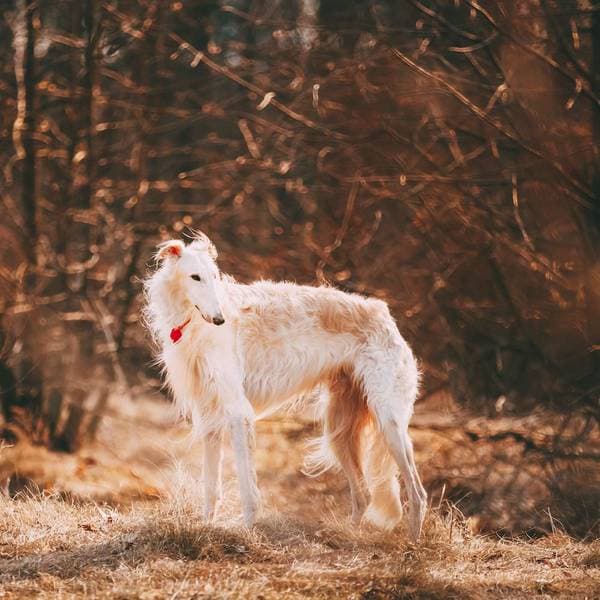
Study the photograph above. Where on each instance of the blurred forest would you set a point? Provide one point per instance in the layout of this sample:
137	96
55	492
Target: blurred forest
439	154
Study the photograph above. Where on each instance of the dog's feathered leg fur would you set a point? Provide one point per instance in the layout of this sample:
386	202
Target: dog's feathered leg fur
345	419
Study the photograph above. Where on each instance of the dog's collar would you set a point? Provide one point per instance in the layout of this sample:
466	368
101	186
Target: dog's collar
177	332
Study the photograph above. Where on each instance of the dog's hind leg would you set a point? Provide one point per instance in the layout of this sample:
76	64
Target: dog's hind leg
391	390
395	431
400	444
346	416
212	472
381	473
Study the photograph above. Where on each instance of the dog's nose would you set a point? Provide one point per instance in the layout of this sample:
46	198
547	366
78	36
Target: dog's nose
218	320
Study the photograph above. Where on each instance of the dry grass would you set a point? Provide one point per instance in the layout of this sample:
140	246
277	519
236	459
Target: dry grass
122	519
49	547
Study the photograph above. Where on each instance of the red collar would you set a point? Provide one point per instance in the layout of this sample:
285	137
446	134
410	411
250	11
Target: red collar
177	332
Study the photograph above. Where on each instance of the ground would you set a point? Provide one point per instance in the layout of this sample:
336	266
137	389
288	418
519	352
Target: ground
121	519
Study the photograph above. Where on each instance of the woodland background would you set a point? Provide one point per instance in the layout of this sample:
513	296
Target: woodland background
439	154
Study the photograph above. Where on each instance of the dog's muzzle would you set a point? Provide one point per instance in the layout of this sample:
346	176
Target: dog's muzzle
218	320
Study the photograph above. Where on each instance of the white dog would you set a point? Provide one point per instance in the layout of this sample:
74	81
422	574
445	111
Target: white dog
232	351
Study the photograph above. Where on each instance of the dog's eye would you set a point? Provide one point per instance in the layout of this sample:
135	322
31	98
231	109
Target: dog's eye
196	277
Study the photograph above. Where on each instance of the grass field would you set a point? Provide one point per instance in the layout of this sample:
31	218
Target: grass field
121	519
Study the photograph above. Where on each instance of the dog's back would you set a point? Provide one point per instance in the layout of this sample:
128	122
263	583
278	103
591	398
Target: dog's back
294	337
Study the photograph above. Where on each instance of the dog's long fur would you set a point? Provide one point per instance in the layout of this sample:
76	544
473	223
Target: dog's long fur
279	341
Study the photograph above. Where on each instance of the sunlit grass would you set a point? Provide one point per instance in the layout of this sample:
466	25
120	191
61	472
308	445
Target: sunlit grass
160	549
123	519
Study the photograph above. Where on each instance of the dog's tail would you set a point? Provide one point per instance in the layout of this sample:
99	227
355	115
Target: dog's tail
341	409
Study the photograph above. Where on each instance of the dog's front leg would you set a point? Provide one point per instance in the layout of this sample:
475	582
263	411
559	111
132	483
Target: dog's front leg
212	472
241	427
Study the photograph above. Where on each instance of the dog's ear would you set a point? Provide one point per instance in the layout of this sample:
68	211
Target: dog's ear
202	241
170	249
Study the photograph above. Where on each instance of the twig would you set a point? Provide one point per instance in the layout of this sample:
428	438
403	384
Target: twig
102	319
341	233
200	57
531	50
583	190
518	219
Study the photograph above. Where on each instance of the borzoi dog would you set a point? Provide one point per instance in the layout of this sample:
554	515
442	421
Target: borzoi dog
231	352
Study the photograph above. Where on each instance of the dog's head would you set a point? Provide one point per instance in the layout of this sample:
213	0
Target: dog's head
194	265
